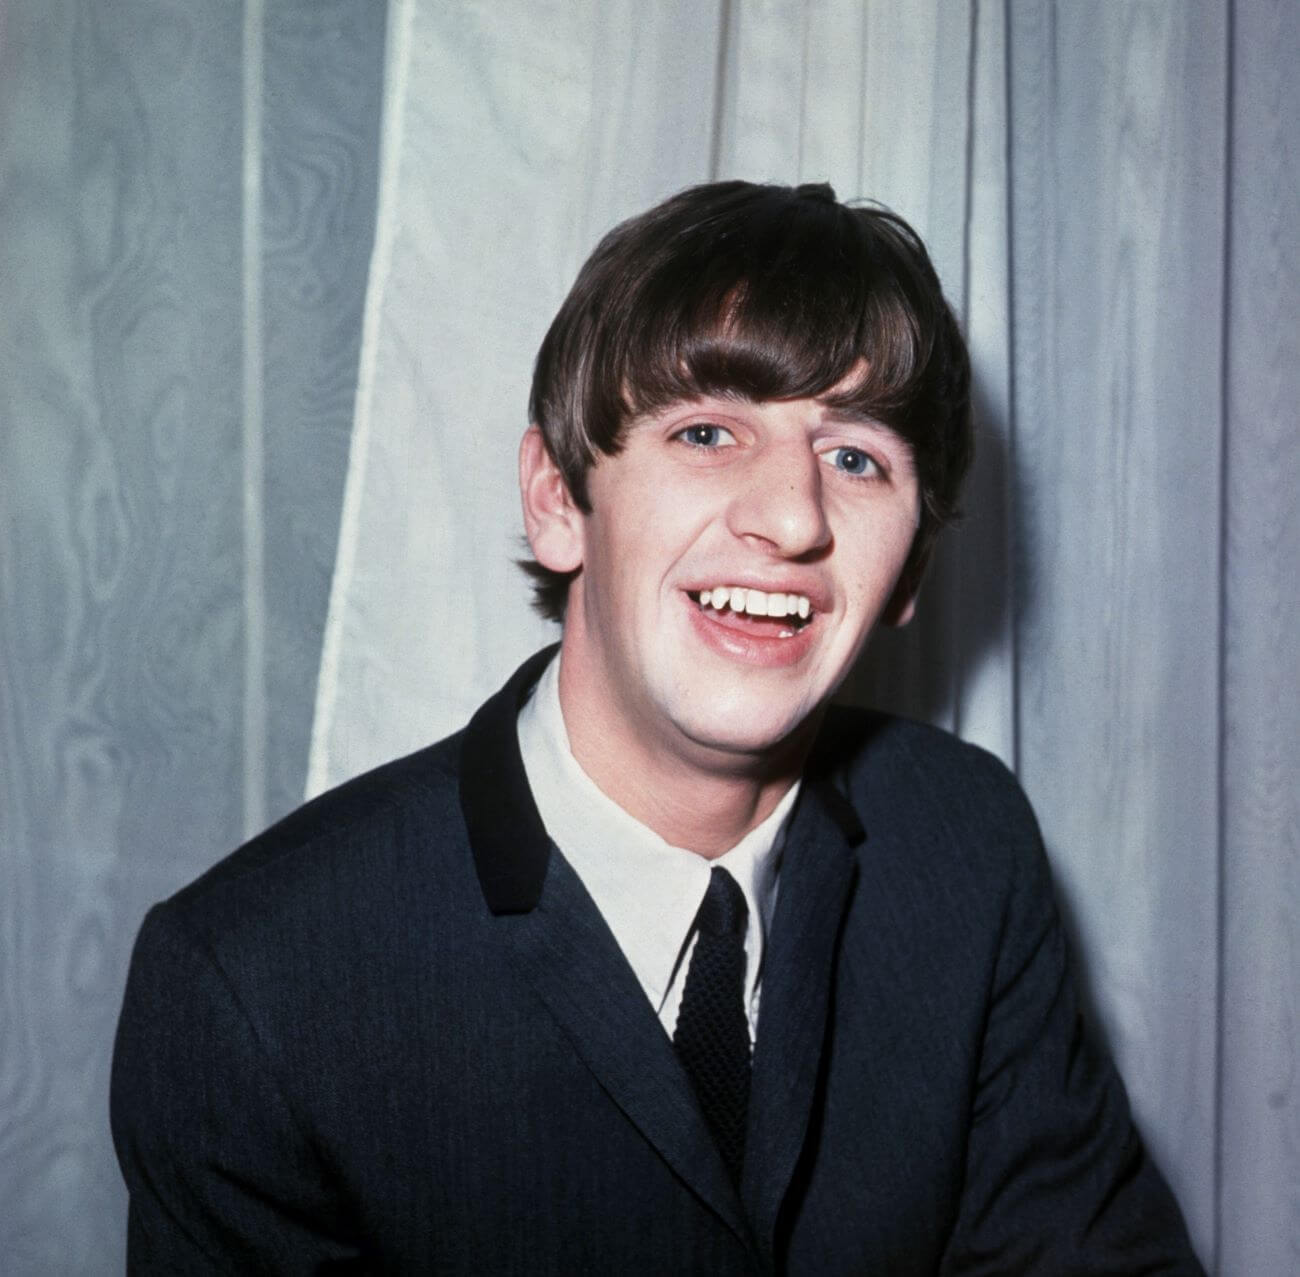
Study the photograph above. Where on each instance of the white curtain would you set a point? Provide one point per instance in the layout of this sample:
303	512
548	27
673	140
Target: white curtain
1116	617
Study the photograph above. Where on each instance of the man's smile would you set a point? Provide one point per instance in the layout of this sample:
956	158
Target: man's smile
757	602
762	613
758	628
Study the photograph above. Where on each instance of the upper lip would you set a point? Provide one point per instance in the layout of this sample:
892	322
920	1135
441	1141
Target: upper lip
816	594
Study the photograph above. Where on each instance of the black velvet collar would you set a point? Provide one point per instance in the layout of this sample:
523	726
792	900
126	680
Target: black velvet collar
510	844
511	848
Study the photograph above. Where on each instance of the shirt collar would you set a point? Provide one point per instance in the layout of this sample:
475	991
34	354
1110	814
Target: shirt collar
647	890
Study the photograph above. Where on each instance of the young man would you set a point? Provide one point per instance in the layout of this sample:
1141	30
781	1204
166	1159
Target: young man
661	965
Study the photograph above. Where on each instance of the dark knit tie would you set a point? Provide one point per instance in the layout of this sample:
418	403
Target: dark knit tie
712	1037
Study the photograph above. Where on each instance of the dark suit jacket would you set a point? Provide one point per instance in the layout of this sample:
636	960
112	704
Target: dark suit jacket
394	1032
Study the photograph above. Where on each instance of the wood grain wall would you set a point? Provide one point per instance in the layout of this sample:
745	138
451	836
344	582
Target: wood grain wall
125	605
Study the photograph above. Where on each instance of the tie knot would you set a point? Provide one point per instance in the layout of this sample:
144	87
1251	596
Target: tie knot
723	911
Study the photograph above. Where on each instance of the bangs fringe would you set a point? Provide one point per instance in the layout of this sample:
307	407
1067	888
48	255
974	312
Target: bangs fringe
798	326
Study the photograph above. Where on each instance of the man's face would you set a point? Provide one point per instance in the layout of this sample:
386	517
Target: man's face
715	512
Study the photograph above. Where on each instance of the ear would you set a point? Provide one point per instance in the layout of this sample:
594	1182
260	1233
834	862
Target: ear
901	606
902	602
553	522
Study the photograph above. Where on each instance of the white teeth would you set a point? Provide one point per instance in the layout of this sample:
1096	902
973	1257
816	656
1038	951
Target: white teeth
756	602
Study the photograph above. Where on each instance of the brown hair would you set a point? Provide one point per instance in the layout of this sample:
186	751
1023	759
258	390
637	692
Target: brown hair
768	292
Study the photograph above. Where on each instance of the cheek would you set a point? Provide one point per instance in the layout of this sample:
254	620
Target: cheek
882	559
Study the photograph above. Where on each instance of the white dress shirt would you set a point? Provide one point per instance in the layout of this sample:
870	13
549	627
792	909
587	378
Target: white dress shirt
647	890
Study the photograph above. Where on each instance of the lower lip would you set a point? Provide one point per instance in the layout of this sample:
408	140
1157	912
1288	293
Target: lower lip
764	651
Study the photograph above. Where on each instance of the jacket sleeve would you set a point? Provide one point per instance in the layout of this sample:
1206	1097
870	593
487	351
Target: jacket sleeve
1057	1178
221	1174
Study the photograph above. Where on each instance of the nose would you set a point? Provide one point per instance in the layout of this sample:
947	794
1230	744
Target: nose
782	503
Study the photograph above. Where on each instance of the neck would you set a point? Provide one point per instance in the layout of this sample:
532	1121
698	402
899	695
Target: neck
694	797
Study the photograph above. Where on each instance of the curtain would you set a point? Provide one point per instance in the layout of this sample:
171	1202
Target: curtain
187	201
1108	191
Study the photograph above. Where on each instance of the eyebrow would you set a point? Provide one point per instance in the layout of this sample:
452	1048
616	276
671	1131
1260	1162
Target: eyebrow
847	413
849	416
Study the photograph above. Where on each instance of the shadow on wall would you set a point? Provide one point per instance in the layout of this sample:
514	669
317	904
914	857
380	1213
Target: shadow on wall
964	610
976	596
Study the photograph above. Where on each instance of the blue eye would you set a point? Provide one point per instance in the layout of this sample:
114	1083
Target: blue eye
853	461
705	436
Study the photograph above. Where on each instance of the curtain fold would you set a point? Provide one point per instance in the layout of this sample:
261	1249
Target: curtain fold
1117	187
1110	199
514	136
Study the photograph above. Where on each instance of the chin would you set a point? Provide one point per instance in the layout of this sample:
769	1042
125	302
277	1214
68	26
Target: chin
744	736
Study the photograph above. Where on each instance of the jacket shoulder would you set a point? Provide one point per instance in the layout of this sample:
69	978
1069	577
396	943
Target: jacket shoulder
937	811
397	822
886	761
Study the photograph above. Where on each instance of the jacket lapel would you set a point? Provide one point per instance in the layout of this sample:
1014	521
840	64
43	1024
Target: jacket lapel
567	953
574	963
818	870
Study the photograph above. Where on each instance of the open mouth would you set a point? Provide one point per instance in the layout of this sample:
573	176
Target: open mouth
757	611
